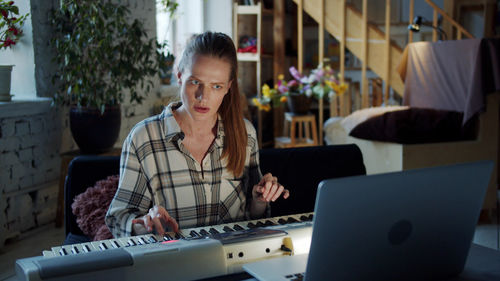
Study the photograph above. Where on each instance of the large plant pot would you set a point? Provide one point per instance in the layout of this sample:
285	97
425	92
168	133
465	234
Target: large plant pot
299	104
5	77
94	132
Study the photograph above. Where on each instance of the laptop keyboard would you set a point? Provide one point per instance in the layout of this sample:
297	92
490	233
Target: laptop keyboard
295	277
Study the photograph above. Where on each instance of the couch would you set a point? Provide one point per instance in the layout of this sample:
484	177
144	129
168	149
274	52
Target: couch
299	169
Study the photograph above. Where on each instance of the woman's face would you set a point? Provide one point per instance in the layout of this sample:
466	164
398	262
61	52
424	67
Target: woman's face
204	84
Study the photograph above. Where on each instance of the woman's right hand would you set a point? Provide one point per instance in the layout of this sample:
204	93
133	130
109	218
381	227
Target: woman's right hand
155	219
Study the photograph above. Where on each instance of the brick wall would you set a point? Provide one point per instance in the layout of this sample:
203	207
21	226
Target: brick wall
33	134
29	165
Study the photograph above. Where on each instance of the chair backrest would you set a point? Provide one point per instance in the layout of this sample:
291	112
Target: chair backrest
301	169
83	172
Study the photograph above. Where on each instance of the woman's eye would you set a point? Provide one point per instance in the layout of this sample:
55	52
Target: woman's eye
195	82
217	87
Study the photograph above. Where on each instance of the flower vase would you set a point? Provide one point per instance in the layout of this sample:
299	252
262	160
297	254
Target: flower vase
5	76
298	103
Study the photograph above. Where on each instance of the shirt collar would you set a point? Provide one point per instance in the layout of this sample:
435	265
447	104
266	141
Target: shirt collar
172	130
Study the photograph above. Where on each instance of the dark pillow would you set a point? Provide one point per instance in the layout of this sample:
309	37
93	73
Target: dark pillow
90	208
416	125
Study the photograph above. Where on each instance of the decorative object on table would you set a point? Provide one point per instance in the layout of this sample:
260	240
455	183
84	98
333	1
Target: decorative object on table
100	53
325	81
165	64
166	58
11	23
270	97
299	91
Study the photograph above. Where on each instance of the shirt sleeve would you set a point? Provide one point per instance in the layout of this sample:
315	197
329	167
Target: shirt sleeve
133	196
254	173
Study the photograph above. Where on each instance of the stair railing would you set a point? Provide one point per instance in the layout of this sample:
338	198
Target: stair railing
337	107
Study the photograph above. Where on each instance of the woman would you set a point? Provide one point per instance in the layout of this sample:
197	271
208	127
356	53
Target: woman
196	163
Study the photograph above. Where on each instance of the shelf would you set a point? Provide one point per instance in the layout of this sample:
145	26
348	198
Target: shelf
252	56
248	9
248	57
252	10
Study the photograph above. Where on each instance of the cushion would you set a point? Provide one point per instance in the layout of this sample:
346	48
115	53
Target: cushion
361	115
416	125
90	208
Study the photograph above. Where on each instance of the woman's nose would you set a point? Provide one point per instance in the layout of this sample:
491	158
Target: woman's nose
200	92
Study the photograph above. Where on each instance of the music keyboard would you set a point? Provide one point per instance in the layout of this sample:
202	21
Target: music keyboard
206	252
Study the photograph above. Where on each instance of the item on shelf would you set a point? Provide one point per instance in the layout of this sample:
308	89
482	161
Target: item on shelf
247	44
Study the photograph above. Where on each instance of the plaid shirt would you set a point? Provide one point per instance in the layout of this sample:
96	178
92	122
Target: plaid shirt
156	169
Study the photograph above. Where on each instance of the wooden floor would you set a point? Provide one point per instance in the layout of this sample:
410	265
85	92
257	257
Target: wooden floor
29	244
34	242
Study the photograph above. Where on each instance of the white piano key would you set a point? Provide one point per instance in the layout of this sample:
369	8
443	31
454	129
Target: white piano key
88	247
48	254
57	251
76	249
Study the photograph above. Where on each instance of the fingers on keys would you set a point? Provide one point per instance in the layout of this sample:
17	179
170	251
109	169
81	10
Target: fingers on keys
271	189
157	218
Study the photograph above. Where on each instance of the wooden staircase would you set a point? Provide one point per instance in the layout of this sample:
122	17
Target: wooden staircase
366	41
354	37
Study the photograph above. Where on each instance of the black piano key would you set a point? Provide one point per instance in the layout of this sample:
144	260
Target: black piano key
260	224
143	241
152	239
179	235
86	248
194	233
75	250
282	221
213	231
292	220
103	246
269	223
63	252
131	242
237	227
251	225
204	232
311	216
167	237
115	244
304	218
227	229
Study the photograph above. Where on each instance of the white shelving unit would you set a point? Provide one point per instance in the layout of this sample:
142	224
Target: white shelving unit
248	11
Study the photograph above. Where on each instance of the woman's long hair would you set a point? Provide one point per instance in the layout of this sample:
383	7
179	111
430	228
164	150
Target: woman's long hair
219	45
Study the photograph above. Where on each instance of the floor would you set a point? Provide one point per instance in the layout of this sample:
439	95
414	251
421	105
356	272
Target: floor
33	242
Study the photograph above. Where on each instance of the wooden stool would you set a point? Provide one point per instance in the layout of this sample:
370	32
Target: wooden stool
307	131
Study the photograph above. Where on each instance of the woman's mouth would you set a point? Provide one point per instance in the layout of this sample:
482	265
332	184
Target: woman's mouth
201	109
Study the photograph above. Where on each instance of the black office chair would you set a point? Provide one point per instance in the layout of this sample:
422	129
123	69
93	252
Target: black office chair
83	172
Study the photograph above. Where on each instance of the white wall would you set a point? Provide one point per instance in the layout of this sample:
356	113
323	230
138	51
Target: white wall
21	55
219	16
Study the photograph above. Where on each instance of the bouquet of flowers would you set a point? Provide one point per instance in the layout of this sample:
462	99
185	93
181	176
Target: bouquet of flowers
270	96
10	25
318	83
324	81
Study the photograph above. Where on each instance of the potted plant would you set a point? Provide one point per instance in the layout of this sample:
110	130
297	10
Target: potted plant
10	33
165	63
166	59
100	53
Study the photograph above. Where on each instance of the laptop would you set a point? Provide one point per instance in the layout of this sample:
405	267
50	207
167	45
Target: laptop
409	225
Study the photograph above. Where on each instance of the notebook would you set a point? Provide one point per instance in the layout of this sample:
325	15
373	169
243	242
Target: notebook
409	225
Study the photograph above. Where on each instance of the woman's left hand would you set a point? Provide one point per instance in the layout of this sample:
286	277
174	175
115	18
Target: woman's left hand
268	189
